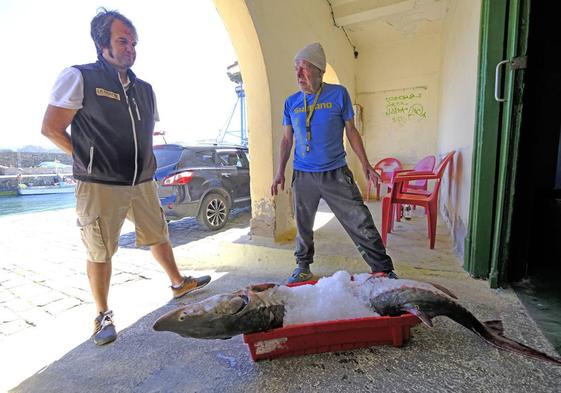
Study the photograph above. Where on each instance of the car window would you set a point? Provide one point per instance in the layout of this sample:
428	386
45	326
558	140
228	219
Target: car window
186	159
243	161
166	156
205	157
228	158
197	158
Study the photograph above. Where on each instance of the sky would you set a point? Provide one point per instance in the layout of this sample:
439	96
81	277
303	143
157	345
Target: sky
183	51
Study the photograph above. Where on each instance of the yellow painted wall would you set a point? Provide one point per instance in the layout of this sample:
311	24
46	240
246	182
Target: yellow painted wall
458	99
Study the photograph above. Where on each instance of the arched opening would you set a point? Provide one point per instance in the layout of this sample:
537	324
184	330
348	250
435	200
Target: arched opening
240	27
330	75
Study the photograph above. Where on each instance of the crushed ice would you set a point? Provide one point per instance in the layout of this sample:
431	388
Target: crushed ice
331	298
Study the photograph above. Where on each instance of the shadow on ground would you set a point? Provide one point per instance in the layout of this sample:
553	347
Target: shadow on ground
541	294
188	229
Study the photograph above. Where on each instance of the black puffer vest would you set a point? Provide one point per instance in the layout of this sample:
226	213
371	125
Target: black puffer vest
112	134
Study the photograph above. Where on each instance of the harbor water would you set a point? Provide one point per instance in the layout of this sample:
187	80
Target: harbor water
18	204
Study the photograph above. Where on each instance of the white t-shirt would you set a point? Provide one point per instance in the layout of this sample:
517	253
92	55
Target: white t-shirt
68	91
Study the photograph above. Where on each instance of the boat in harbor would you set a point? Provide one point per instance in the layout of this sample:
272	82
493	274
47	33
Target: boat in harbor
59	188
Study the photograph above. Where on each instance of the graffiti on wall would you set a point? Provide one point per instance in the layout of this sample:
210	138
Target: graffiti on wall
405	106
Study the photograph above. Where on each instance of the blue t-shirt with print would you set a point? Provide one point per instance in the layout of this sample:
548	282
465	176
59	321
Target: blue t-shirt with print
333	108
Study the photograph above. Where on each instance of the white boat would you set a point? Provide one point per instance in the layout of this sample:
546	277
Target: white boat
60	188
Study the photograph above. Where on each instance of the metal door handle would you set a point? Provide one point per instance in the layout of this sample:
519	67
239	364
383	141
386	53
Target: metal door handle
497	80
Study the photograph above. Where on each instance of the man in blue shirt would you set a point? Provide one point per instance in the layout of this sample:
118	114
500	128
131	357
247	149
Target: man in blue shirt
315	118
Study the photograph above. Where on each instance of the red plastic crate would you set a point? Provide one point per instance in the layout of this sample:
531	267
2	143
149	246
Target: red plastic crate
330	336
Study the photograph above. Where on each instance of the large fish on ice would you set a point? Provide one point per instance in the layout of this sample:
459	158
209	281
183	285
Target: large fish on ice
262	307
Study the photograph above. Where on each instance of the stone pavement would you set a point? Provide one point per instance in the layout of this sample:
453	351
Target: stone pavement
44	287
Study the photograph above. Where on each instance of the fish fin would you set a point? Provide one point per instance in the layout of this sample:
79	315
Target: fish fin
511	345
444	289
495	326
261	287
419	314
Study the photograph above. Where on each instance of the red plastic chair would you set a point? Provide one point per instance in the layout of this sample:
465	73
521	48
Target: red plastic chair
426	199
385	169
425	164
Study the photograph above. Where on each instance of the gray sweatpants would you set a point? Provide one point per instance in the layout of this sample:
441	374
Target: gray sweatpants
339	190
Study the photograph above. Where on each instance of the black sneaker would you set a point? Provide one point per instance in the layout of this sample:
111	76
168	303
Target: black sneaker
189	284
300	274
393	275
104	329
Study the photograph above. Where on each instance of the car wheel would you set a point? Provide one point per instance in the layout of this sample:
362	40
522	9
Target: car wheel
214	212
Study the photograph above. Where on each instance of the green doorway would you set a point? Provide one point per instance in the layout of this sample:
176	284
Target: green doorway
503	50
515	216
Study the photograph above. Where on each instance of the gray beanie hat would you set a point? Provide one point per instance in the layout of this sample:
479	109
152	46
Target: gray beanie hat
314	54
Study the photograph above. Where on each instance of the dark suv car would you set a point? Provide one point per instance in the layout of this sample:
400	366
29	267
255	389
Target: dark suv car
202	181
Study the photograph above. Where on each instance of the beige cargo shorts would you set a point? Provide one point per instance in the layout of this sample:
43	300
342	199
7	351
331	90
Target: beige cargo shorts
102	209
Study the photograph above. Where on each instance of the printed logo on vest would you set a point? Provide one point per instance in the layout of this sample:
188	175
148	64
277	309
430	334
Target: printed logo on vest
106	93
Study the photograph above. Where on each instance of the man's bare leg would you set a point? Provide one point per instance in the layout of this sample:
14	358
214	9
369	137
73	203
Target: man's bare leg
163	253
99	275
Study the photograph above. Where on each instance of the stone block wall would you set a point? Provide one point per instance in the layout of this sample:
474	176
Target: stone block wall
13	159
26	164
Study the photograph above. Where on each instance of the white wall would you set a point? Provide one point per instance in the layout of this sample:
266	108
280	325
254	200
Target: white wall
398	88
458	99
430	75
434	68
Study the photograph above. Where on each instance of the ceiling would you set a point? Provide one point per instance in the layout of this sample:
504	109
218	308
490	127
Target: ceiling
371	21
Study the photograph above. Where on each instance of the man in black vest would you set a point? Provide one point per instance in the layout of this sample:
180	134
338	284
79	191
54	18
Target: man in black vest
112	115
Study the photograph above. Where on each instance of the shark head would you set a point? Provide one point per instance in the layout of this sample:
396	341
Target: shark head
223	316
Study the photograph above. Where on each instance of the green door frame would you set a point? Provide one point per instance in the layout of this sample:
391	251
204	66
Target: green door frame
478	242
517	48
496	140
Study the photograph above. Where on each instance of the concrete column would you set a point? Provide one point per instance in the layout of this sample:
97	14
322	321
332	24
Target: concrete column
271	217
